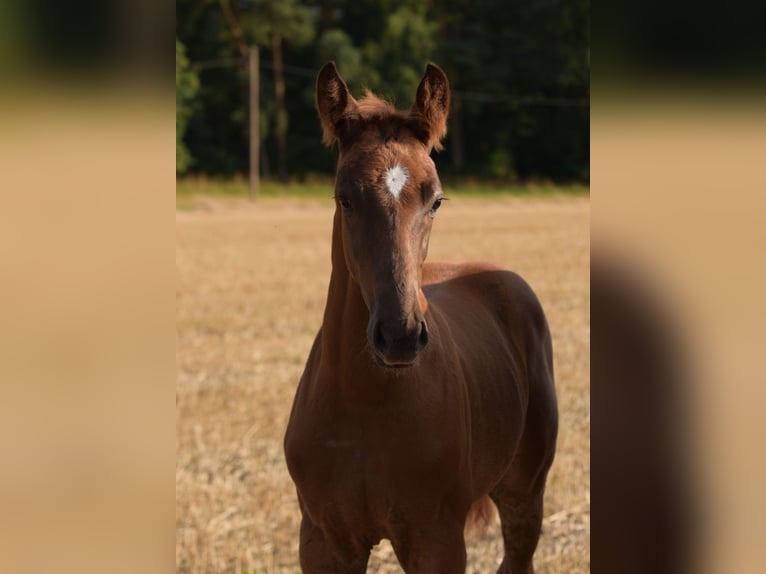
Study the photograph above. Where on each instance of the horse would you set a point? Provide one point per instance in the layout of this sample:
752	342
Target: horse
429	387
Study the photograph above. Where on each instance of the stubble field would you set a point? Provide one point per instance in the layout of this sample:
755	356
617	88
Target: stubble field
250	291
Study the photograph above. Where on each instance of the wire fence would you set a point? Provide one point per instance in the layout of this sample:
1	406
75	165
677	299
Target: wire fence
466	96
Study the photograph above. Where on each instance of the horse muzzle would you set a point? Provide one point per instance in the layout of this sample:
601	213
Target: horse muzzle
396	344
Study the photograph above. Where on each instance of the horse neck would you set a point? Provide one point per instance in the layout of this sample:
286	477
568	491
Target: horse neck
344	327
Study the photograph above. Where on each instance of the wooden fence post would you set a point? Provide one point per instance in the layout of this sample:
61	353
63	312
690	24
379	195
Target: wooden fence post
255	129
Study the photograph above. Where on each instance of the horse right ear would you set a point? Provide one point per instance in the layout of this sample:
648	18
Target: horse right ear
335	104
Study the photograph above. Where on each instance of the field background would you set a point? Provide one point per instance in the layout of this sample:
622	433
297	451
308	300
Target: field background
251	286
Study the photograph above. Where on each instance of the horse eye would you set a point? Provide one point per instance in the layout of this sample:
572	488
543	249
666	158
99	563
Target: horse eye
437	204
344	202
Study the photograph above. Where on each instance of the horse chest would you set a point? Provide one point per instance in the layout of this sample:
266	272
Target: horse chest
352	468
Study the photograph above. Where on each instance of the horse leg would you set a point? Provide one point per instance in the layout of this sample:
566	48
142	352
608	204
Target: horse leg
521	520
519	495
320	555
433	549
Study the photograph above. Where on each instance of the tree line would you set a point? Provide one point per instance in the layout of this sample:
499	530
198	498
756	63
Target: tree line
519	72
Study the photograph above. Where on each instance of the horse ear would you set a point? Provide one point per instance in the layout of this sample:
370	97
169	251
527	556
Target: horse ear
431	106
334	103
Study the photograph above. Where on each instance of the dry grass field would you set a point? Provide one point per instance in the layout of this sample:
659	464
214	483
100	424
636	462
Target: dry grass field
251	286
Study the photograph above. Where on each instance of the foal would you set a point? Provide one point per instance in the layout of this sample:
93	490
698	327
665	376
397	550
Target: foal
429	385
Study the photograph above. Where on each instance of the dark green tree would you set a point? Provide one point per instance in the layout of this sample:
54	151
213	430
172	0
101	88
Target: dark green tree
277	23
187	85
520	75
399	55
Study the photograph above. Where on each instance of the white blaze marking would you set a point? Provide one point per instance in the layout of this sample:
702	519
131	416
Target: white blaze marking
396	179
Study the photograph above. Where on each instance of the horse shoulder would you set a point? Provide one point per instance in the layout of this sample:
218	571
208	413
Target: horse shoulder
508	297
496	284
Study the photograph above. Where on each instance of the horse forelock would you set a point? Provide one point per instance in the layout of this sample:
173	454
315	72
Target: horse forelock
379	118
373	107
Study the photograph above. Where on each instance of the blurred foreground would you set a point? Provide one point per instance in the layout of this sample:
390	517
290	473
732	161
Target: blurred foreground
677	316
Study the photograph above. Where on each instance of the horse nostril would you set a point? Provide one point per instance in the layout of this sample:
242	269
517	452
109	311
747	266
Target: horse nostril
423	337
378	339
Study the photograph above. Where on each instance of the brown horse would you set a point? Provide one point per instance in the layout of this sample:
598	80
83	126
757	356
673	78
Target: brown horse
429	385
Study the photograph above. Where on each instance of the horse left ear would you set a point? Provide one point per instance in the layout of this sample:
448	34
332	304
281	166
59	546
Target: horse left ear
431	106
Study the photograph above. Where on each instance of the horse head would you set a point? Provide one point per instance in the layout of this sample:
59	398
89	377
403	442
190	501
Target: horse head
387	193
